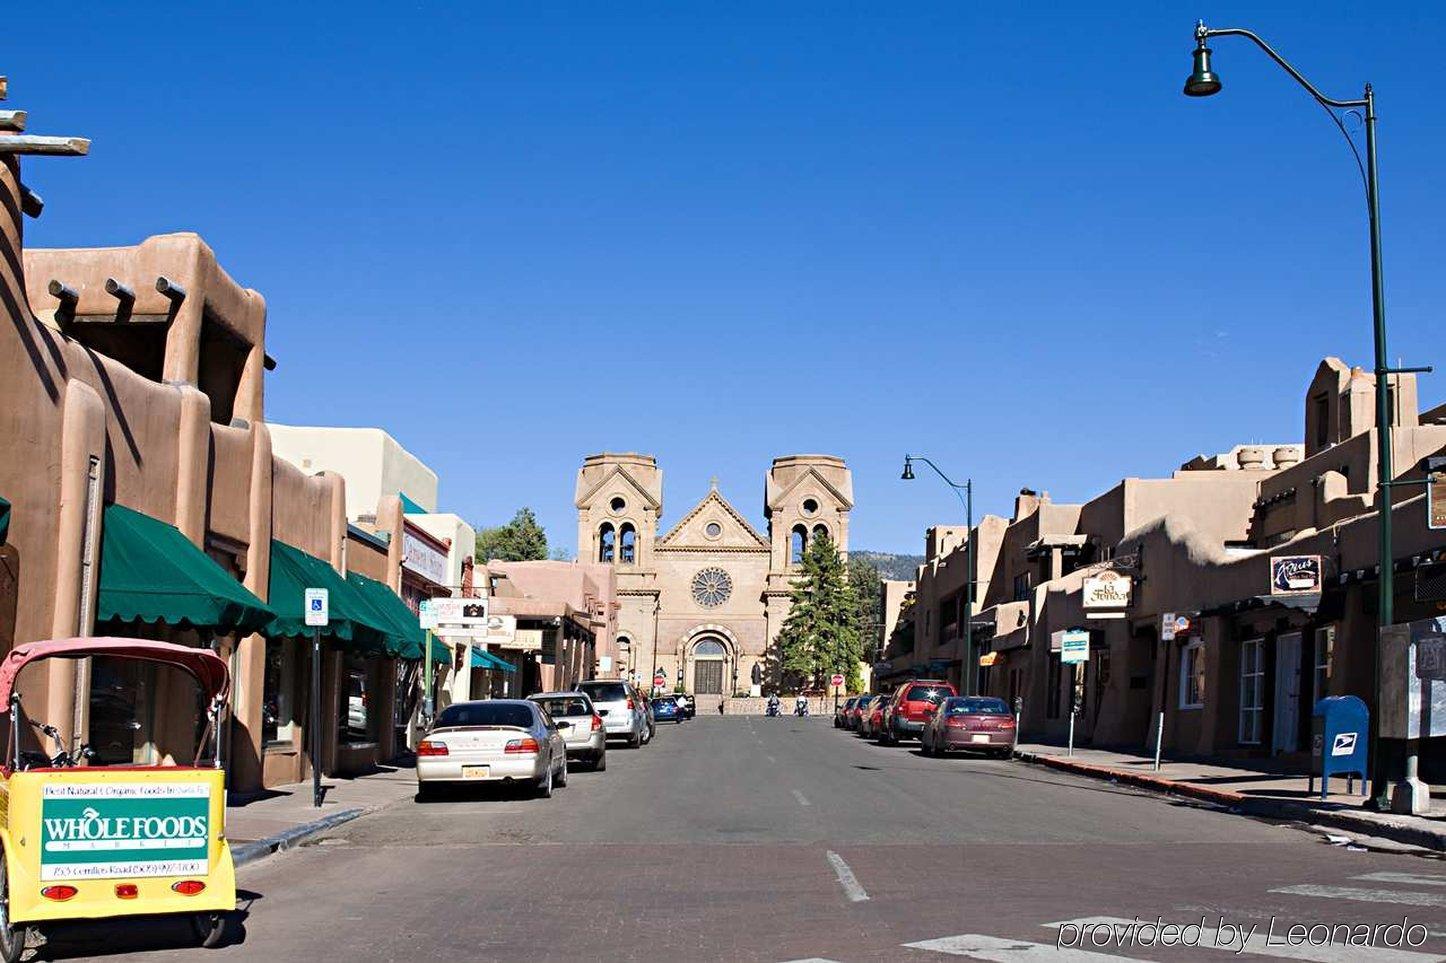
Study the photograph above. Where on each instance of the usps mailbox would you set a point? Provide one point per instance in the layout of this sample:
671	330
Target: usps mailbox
1339	747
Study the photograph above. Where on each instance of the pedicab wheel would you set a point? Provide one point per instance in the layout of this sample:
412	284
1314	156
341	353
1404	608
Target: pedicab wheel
210	928
12	937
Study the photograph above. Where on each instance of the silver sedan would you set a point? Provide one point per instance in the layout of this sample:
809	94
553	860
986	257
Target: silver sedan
496	740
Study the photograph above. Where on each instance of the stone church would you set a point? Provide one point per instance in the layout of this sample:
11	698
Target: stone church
704	602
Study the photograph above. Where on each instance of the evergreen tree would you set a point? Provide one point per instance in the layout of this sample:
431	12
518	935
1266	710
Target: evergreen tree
520	540
821	634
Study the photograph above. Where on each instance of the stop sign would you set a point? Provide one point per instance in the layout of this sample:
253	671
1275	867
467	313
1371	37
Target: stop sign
836	680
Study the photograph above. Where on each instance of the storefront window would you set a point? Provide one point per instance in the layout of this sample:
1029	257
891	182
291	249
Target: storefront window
1192	675
356	713
279	693
1252	690
143	714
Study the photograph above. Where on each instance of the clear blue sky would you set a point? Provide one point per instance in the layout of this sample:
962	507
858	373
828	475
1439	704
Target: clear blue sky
993	233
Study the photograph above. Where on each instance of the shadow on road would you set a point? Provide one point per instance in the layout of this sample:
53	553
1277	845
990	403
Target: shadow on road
173	931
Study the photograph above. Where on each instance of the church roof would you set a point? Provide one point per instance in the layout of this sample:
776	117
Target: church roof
713	497
774	494
585	494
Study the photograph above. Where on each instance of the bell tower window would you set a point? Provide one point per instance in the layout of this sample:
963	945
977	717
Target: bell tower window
606	542
627	544
798	541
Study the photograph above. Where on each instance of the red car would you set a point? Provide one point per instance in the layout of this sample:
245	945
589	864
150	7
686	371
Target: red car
872	719
911	708
977	723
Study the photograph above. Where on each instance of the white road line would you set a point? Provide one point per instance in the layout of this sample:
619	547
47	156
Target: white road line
770	759
802	799
1261	941
1009	951
847	879
1405	879
1365	895
813	959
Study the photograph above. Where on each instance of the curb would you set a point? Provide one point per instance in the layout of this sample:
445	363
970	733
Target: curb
295	836
1423	836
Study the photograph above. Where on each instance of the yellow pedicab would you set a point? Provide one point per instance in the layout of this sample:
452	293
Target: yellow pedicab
85	842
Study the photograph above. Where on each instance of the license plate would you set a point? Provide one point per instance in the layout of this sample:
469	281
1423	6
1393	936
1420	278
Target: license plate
476	772
979	737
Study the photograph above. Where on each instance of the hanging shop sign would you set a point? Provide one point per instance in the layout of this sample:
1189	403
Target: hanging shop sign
1291	574
1107	590
419	556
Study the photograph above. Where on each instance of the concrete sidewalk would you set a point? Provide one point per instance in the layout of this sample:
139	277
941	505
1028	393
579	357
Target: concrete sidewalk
275	819
1255	792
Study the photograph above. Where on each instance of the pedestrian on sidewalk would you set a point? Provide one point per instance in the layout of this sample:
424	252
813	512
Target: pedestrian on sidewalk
720	706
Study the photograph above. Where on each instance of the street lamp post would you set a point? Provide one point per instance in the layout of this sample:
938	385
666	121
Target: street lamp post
1411	795
965	494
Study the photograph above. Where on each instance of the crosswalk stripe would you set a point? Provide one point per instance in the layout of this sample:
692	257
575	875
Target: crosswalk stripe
1256	943
1010	951
1405	879
1403	897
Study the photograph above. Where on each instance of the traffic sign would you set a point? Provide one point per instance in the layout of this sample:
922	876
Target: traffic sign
1074	646
836	680
318	607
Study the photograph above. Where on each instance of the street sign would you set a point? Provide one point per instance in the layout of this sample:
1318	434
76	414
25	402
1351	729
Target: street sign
1436	499
318	607
1074	646
836	680
452	611
425	615
1167	627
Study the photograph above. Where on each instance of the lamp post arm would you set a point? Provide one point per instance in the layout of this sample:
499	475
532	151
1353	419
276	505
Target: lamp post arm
958	489
1203	33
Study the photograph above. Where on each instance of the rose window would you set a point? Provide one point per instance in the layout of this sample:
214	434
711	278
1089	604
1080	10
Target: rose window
711	587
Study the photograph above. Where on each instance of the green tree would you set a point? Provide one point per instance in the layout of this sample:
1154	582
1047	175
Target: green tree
520	540
821	634
868	585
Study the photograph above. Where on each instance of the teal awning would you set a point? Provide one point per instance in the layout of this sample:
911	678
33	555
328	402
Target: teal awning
150	572
4	520
441	651
353	619
406	637
482	659
410	507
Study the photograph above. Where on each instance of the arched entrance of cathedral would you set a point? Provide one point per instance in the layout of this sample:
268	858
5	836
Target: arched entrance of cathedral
709	655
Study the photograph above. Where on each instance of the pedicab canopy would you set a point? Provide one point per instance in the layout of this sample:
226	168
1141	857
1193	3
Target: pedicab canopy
150	572
208	668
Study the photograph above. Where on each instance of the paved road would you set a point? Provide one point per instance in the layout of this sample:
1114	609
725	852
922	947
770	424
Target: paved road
782	839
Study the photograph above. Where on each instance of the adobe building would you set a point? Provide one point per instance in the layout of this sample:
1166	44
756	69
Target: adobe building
558	623
1196	629
143	498
703	603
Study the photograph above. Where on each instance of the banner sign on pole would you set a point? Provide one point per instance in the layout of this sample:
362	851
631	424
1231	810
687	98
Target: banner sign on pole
1074	646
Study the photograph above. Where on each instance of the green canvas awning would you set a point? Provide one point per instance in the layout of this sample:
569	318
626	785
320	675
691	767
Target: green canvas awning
441	651
4	520
353	620
482	659
150	572
406	638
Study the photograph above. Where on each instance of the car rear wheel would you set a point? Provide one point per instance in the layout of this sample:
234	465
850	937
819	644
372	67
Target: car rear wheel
600	761
12	936
562	774
544	785
635	741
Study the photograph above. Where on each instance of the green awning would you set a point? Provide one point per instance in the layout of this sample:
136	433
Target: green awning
150	572
489	661
353	619
4	520
441	651
406	637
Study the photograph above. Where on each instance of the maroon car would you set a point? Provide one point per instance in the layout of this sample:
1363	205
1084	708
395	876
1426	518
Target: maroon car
977	723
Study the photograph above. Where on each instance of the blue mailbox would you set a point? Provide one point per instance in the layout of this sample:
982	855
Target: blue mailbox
1339	747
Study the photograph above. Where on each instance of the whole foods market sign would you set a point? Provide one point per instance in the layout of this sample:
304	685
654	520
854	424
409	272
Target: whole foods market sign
91	830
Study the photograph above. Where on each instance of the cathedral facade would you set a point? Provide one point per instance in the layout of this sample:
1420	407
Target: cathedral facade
703	602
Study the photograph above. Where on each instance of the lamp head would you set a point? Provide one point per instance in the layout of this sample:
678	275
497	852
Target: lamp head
908	474
1202	81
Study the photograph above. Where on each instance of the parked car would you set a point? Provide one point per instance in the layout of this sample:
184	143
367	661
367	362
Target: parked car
871	723
581	727
623	711
652	720
496	740
841	711
856	712
688	704
911	708
666	709
976	723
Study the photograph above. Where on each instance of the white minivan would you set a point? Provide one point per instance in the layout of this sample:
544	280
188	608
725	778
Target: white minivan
624	713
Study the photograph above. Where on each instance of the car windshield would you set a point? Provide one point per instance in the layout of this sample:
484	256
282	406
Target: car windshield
864	702
976	707
561	706
930	694
485	714
606	691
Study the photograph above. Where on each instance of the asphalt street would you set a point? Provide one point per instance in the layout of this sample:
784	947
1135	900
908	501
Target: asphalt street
784	839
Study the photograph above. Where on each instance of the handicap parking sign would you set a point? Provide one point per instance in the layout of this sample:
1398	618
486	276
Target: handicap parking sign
317	606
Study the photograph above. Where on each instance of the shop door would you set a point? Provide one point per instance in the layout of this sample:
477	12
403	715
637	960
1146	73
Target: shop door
707	678
1285	737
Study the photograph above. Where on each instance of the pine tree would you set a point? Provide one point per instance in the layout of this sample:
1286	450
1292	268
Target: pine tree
821	634
520	540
